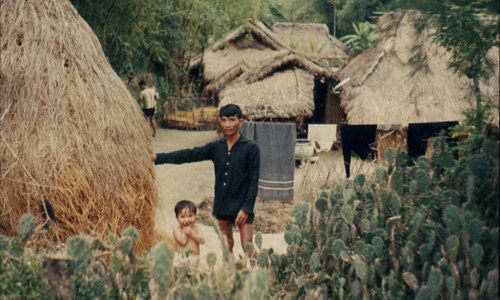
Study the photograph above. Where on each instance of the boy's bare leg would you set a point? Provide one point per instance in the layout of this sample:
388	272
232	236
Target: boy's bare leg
154	125
246	235
227	229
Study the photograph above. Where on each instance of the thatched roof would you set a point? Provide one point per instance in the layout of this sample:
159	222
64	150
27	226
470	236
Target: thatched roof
311	39
404	77
237	49
281	88
70	132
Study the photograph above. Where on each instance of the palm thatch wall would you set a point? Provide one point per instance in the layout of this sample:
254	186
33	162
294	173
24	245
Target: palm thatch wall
72	138
311	39
281	88
404	78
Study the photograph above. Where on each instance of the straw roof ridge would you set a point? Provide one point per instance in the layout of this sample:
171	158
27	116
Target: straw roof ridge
225	77
220	44
266	35
231	36
235	48
285	95
258	29
317	26
284	60
405	76
309	34
372	68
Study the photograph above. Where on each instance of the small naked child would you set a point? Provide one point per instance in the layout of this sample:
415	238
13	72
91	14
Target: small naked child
187	234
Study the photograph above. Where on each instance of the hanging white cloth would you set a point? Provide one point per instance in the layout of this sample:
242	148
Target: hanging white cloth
322	136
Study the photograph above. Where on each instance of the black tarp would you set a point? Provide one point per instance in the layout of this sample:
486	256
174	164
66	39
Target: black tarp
357	138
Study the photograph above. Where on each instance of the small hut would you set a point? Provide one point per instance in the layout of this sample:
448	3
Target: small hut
313	40
243	48
74	145
285	87
405	78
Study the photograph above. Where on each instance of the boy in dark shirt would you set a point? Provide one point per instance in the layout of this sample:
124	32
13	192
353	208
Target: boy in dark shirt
236	162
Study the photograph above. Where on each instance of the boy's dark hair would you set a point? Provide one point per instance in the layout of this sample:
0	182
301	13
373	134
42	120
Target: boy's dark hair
230	110
184	204
142	82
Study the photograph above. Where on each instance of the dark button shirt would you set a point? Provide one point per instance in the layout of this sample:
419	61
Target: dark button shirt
236	172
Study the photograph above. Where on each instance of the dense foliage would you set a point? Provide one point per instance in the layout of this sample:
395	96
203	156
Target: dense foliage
89	268
365	35
468	34
161	37
424	232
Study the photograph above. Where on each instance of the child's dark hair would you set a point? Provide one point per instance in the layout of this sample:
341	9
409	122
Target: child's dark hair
142	82
230	110
184	204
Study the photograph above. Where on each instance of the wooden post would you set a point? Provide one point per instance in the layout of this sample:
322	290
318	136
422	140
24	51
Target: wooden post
202	111
193	112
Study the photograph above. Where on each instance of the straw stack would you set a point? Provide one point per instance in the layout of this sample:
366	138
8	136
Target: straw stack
74	146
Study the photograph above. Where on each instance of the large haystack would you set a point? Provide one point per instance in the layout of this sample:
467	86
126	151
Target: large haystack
70	133
405	77
281	88
313	40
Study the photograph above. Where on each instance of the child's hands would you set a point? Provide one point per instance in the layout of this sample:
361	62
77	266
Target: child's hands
187	230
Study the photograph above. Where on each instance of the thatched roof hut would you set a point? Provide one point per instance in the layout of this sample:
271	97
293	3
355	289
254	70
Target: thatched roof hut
248	45
313	40
74	145
404	78
281	88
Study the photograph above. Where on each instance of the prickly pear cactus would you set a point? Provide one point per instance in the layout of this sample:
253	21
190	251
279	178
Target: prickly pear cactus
161	259
26	227
419	232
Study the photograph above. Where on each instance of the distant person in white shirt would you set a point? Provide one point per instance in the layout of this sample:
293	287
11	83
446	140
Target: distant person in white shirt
149	96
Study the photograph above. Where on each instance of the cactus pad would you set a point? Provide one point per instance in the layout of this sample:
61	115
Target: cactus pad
476	254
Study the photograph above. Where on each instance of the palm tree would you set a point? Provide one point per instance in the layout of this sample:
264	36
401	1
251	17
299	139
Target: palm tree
366	34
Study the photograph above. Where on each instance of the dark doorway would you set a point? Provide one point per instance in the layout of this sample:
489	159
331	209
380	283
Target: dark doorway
320	95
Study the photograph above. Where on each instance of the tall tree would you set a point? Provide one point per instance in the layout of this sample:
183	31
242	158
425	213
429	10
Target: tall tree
161	36
468	36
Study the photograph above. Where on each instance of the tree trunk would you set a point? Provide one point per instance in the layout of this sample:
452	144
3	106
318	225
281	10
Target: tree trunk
477	91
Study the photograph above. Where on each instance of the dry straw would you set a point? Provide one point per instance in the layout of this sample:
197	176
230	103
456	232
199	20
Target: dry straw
279	88
405	77
203	118
312	39
246	46
74	145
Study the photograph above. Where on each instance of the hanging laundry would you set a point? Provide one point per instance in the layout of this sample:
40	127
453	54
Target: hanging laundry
322	135
419	133
277	158
357	138
248	130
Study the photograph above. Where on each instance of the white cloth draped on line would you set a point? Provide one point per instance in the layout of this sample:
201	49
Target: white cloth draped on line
322	135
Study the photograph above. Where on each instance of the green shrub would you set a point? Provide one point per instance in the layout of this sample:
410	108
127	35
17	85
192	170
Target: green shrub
89	268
